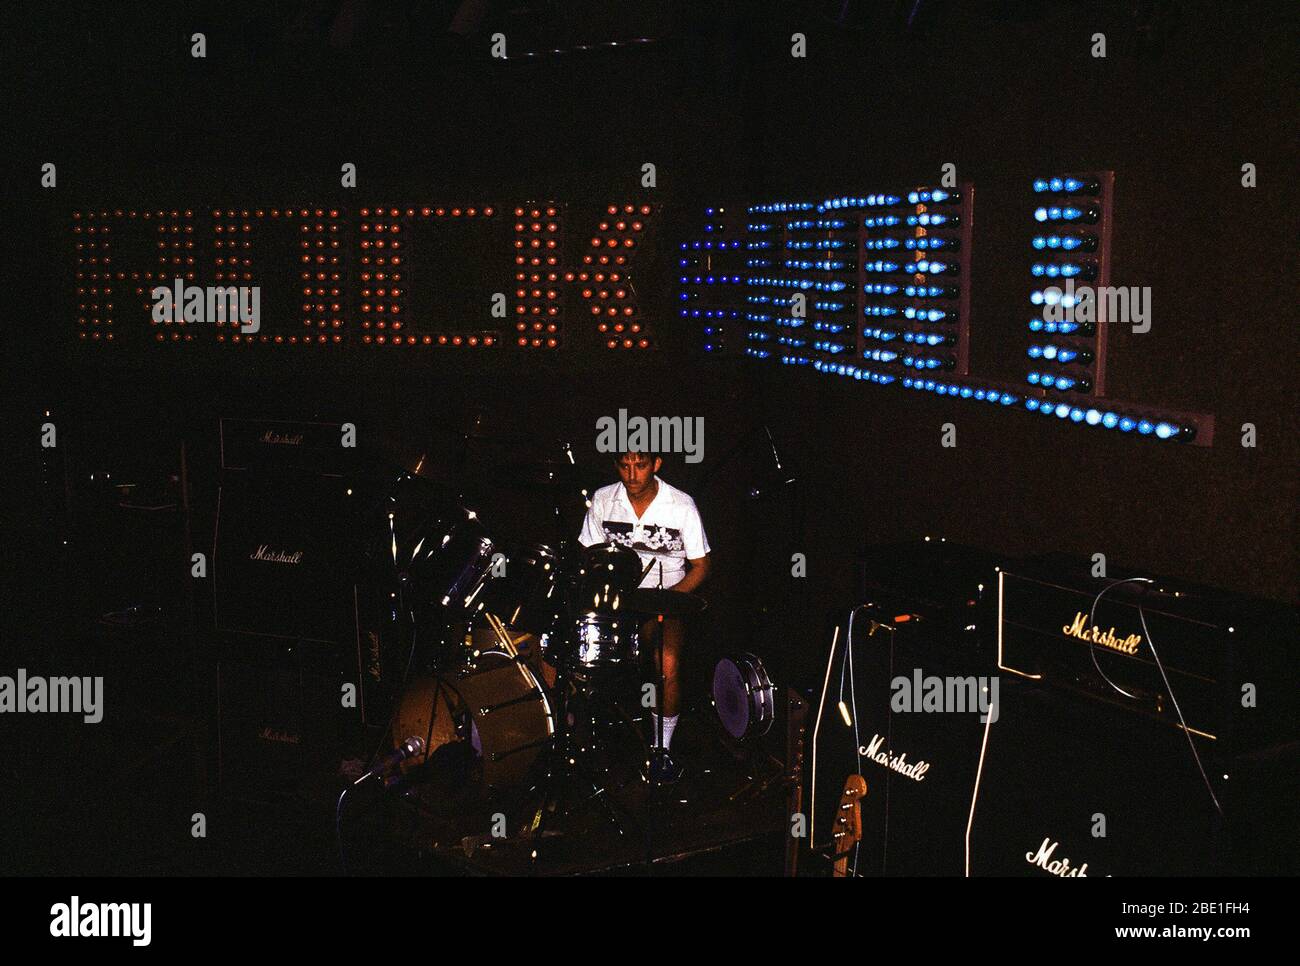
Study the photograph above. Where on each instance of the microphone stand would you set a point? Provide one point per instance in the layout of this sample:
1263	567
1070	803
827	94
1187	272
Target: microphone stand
411	747
794	616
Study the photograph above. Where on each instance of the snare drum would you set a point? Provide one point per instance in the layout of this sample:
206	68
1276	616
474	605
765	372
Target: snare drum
591	643
743	696
602	641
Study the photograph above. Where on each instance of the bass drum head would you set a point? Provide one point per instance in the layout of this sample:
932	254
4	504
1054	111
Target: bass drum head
499	710
743	696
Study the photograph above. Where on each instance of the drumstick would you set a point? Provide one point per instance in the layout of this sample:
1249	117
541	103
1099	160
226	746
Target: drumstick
503	636
506	640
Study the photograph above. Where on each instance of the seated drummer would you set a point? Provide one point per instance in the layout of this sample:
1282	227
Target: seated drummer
662	525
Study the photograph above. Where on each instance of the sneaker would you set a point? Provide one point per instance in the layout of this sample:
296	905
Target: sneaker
661	768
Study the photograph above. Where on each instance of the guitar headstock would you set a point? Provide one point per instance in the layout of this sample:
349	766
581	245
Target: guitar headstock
846	832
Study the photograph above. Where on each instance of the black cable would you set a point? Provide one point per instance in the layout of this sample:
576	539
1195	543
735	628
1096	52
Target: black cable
1092	650
338	806
338	829
846	665
1092	622
406	676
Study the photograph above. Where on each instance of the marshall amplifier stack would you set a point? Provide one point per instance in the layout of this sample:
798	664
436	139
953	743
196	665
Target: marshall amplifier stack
1009	722
919	643
284	531
284	599
1146	728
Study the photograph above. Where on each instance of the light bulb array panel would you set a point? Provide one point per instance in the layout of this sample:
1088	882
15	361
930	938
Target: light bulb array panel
420	278
121	256
781	286
709	267
914	278
912	300
538	306
250	248
603	279
1069	265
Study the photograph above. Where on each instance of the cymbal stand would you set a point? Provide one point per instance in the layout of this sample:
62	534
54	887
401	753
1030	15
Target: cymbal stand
564	765
557	516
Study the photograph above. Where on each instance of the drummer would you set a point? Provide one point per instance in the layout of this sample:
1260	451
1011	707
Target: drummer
662	524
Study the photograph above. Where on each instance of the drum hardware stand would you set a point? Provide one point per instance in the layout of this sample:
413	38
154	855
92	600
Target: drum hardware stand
465	452
796	731
786	489
561	537
658	754
563	763
758	782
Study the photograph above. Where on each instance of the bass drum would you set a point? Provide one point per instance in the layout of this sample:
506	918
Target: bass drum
744	696
497	707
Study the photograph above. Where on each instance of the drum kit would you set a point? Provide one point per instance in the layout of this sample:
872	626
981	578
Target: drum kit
514	649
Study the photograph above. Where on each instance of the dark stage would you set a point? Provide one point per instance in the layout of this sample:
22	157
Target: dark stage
414	399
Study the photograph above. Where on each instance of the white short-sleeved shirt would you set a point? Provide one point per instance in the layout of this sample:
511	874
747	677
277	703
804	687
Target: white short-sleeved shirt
669	533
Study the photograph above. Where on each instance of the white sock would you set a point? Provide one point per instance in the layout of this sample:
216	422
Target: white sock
668	725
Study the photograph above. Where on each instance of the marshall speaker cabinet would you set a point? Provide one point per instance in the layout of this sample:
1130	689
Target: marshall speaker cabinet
286	532
1148	732
901	705
281	723
285	600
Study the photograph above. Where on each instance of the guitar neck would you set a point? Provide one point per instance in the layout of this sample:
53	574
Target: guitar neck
847	831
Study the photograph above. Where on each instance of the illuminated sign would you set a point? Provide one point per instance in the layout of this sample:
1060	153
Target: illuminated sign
455	275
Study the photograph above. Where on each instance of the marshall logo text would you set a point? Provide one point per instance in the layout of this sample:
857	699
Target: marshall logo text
1095	635
1060	867
279	737
266	554
899	763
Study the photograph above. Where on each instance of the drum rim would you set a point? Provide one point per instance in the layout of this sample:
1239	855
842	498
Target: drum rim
754	661
761	703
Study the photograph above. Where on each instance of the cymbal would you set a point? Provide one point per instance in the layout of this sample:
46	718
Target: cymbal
543	472
481	427
670	603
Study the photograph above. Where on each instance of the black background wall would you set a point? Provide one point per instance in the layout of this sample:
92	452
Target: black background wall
1178	105
1006	91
